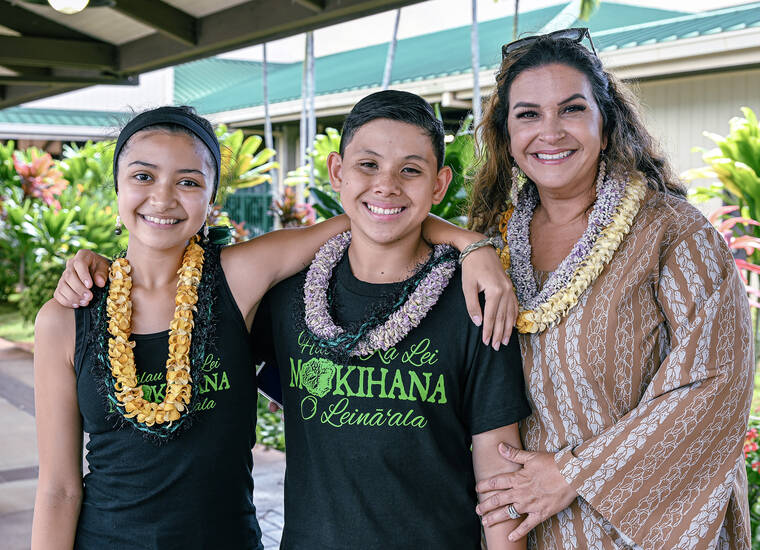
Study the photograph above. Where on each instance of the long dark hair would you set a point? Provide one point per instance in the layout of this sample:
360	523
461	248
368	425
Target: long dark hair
630	147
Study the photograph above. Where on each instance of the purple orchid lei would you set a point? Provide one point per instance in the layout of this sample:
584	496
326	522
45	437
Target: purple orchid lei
399	323
609	194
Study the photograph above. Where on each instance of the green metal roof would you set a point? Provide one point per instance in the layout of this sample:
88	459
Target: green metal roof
677	28
206	76
423	57
62	117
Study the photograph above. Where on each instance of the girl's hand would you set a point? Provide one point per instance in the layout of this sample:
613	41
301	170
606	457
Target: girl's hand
75	282
538	489
482	272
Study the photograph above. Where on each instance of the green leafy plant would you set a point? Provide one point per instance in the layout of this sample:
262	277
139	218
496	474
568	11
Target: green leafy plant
8	176
244	163
735	163
269	427
41	287
324	200
95	227
460	154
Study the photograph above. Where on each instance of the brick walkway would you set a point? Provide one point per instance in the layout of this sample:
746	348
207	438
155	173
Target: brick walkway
18	460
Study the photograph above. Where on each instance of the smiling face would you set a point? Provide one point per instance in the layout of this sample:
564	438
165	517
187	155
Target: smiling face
555	128
165	183
388	178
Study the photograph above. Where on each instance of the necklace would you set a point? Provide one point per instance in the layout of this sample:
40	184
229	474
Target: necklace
617	202
127	395
383	329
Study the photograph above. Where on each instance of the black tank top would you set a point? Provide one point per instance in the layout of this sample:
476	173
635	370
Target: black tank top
192	492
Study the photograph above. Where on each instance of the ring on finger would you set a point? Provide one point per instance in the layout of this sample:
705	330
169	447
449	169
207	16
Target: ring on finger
513	514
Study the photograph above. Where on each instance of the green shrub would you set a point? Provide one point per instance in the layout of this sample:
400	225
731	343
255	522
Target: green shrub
736	164
270	430
41	287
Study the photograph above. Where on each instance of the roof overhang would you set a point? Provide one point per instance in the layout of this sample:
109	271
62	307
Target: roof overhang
44	53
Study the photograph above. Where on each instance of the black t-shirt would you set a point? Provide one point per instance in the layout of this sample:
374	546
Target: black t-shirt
192	492
378	450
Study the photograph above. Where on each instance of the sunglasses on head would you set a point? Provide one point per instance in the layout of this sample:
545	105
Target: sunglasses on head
576	34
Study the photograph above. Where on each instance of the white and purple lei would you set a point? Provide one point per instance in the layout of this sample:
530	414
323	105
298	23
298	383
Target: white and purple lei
389	331
609	194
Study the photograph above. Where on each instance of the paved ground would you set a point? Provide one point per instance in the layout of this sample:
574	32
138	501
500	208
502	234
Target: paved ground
18	460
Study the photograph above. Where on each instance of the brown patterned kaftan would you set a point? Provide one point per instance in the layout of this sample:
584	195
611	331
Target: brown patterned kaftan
643	391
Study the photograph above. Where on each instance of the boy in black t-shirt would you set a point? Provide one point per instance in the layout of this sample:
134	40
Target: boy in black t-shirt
386	385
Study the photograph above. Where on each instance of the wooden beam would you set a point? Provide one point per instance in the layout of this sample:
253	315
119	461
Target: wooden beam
30	24
42	80
313	5
47	52
253	22
15	95
165	18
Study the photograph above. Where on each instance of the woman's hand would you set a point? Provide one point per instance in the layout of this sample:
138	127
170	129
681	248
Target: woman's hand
482	272
538	489
75	282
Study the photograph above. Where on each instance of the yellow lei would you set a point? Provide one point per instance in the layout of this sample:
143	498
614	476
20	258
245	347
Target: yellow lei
122	360
559	303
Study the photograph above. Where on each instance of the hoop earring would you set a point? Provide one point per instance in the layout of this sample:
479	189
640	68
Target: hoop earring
117	228
519	179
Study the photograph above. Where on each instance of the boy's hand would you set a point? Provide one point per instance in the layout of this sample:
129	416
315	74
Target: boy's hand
482	272
72	289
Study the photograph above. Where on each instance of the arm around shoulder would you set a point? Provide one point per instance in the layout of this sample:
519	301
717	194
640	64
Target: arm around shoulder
59	430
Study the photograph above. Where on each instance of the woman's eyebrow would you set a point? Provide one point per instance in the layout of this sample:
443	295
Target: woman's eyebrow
572	97
535	105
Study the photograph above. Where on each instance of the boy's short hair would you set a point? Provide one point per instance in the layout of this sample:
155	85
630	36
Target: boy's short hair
400	106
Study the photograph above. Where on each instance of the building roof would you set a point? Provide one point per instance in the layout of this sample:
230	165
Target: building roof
62	117
423	57
687	26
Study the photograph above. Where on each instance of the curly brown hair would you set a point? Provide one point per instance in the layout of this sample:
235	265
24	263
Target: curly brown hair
630	147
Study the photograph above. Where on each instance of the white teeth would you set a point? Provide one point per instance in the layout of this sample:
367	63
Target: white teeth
556	156
161	221
384	211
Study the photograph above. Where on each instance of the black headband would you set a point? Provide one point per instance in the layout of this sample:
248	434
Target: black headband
170	115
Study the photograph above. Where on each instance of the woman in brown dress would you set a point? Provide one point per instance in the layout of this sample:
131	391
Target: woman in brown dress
634	323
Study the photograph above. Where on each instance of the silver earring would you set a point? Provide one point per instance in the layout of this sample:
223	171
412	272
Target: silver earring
519	179
117	229
205	232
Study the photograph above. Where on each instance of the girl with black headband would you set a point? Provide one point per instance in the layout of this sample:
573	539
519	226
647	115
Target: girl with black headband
170	414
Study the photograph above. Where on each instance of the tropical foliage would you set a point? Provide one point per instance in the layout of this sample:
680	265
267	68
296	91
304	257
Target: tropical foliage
734	168
324	200
244	162
744	243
